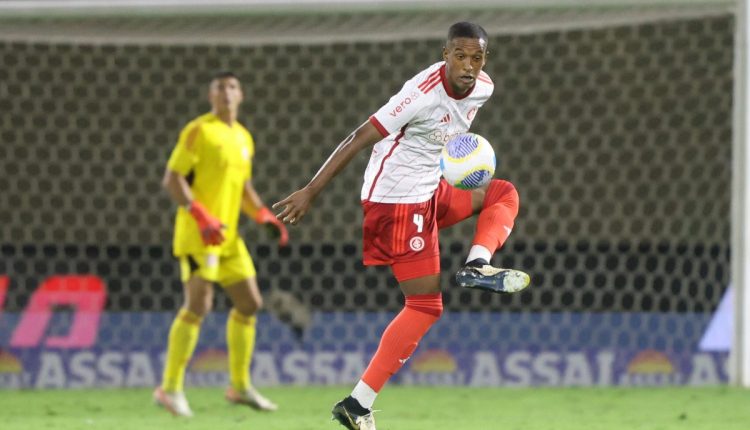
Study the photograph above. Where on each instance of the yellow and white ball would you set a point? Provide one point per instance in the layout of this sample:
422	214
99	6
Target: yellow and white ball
468	161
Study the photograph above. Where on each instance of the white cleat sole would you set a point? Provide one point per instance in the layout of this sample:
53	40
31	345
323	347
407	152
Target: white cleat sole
493	279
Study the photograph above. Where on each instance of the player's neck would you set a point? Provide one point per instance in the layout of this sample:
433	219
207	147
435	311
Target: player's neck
458	91
228	116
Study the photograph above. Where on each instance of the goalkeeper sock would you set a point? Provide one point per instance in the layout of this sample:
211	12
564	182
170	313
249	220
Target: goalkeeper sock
183	337
240	343
495	223
401	337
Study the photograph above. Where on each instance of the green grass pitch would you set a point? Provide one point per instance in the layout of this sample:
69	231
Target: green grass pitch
408	408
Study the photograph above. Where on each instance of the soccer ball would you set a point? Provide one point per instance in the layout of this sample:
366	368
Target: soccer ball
468	161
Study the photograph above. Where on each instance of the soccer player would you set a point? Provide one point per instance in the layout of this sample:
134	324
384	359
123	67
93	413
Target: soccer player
209	176
405	203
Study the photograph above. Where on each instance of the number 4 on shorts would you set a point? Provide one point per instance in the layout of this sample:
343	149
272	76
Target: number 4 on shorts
419	221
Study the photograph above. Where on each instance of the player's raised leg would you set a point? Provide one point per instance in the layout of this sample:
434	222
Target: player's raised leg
183	337
497	205
246	300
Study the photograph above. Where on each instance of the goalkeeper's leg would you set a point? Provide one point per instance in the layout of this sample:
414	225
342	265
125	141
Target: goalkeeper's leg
246	300
183	336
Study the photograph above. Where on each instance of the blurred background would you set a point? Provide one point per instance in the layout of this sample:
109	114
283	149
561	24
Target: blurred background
613	120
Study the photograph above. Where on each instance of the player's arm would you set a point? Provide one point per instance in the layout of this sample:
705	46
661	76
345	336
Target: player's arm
179	191
183	159
254	208
298	203
177	187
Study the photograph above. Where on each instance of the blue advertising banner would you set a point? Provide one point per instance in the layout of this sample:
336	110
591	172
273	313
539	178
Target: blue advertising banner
474	349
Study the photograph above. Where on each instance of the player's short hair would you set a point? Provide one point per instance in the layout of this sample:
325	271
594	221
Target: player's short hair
223	74
467	29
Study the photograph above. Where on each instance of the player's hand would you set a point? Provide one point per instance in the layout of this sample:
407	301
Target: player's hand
265	217
209	225
295	206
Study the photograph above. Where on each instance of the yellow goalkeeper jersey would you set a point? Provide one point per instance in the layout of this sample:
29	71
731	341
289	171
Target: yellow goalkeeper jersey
217	160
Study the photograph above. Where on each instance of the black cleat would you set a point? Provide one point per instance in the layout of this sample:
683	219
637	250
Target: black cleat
352	415
477	274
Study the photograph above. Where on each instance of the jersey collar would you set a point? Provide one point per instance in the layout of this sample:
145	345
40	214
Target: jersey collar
449	89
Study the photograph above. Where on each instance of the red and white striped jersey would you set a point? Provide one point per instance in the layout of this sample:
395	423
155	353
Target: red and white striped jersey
416	124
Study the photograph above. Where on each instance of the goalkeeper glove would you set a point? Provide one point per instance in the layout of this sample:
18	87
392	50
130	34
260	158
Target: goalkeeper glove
277	228
209	225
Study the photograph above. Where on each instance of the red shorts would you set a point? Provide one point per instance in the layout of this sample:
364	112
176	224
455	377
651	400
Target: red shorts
405	236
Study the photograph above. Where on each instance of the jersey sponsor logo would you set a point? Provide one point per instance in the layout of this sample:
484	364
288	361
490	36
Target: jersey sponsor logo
446	118
416	243
442	137
405	102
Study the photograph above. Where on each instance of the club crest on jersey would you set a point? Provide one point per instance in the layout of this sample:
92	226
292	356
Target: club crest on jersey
471	113
416	243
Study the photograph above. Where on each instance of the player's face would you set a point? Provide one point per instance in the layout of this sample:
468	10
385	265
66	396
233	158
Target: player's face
464	58
225	94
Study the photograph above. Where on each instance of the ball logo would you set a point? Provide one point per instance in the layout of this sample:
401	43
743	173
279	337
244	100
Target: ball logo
416	243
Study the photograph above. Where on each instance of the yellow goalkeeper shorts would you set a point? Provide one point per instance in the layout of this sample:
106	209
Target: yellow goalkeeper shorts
233	266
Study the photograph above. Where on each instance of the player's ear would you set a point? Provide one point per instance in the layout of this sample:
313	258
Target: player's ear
445	53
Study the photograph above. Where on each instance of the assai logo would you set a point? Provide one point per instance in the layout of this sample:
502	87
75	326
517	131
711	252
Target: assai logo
650	367
209	368
650	362
434	366
11	371
434	360
9	363
210	360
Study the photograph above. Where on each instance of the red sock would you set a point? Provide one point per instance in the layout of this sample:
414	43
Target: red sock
498	213
401	337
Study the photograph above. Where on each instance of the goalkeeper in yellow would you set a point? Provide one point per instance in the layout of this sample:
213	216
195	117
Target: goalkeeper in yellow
209	176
